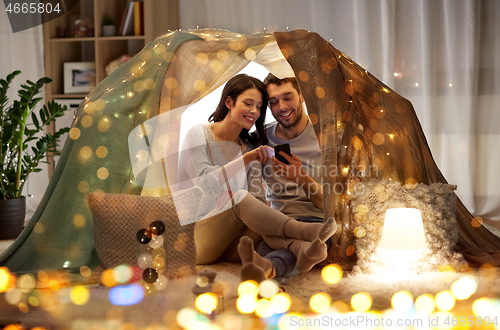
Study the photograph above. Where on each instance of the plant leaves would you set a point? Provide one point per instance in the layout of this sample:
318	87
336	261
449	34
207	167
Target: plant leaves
35	120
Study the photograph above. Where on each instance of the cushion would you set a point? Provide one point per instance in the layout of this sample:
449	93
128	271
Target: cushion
437	203
118	217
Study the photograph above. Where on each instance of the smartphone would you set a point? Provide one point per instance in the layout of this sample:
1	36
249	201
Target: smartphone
282	147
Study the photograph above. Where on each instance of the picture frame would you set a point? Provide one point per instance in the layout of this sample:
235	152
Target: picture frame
79	77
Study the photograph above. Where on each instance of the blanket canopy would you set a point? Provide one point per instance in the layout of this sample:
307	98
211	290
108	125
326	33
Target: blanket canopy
365	130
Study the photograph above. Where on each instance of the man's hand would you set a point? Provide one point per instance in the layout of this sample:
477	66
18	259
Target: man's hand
293	171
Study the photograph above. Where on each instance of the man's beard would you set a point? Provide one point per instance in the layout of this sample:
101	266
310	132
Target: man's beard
299	113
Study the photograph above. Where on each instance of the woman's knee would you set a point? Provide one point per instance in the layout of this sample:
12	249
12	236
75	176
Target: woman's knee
240	195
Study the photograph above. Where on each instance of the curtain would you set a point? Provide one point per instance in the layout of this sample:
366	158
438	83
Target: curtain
24	51
444	56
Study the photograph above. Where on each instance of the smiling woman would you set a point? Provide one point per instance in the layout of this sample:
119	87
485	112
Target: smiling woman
198	112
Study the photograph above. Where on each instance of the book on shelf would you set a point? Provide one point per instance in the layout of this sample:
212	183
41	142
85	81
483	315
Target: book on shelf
128	26
122	22
138	18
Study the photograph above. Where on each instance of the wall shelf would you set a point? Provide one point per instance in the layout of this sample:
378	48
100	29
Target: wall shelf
159	16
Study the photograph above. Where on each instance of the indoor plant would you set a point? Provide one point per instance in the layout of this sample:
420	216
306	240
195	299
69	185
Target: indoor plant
108	26
17	160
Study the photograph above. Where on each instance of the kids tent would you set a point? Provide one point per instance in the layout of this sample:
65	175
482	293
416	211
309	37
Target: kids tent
358	121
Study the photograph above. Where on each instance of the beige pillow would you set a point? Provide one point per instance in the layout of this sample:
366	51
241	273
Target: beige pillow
436	201
118	217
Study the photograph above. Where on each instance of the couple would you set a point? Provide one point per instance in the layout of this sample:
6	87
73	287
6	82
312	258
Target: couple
229	163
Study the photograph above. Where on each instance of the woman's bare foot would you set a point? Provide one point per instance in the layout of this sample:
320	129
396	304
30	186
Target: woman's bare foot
254	266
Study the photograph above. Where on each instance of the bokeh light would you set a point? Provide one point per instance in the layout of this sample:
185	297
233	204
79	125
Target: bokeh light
26	283
445	300
464	287
331	274
108	278
79	220
102	173
268	288
280	303
122	273
101	152
85	271
246	304
484	307
264	309
425	304
4	279
320	302
74	133
80	295
14	327
402	301
86	152
34	301
13	296
206	303
248	288
359	232
54	285
361	302
23	308
185	315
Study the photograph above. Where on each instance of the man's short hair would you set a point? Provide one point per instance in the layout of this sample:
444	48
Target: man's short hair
272	79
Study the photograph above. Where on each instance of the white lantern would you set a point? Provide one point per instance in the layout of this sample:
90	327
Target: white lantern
403	241
403	230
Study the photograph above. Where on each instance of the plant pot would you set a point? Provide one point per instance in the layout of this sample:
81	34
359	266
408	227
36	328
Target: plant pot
108	30
12	213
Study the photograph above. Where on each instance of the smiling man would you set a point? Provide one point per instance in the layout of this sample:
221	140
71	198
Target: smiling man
293	189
